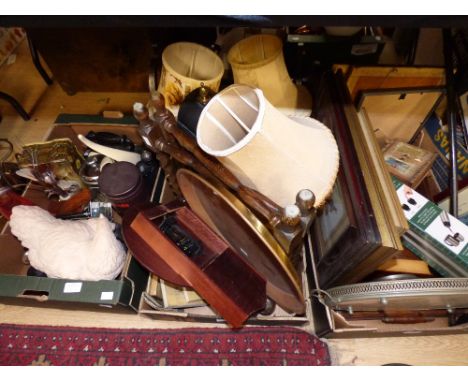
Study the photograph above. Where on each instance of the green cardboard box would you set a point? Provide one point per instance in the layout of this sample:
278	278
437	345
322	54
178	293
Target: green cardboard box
18	288
435	236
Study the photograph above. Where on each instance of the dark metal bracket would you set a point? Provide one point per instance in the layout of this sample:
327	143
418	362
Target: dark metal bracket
17	106
37	62
451	119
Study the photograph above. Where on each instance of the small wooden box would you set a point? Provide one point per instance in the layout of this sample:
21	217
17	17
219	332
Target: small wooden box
174	243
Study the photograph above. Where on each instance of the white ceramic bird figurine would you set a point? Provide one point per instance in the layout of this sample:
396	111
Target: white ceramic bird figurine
71	249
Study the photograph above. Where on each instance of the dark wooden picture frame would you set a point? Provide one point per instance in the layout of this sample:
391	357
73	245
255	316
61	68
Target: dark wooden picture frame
361	236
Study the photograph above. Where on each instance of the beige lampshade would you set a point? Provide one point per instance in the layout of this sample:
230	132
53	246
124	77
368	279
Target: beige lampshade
185	66
258	61
268	151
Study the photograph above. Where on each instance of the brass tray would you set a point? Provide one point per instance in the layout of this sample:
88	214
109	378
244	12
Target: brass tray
234	222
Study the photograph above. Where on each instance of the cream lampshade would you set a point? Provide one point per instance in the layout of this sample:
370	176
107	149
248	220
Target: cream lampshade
185	66
268	151
258	61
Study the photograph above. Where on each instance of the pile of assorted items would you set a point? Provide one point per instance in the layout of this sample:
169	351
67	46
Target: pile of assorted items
249	179
245	189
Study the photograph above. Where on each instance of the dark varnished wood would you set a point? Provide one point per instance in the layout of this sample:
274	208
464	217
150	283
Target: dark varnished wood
361	237
227	283
95	59
140	248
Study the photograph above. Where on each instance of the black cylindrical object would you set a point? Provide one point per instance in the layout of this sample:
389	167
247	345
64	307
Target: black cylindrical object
191	108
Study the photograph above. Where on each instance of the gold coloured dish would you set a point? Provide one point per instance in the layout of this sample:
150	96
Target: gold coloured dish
233	221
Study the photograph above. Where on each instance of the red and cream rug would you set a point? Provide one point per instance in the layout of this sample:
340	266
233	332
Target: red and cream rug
51	345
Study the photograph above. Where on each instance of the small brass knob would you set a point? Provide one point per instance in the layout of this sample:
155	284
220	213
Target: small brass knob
291	215
203	94
305	200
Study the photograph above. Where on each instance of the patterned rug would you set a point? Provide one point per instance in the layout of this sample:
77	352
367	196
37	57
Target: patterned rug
50	345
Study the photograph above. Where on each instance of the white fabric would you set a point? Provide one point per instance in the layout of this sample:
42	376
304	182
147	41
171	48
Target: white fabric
78	250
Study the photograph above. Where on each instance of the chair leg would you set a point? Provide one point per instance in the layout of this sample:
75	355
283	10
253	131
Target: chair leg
37	62
13	102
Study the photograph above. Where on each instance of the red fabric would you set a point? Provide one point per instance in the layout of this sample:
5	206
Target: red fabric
49	345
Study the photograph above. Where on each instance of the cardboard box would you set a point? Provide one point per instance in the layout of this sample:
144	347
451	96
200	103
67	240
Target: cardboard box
15	285
149	306
441	232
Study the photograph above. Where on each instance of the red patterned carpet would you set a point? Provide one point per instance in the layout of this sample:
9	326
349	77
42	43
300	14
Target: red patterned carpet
48	345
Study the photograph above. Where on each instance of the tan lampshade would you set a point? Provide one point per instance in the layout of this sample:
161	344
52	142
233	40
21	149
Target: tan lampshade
258	61
268	151
185	66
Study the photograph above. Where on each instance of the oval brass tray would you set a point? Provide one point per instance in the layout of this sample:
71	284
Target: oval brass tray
246	234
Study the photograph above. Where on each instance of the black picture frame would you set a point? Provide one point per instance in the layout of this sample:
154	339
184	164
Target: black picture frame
361	237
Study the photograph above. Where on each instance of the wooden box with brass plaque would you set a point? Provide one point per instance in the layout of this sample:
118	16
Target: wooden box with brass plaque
175	244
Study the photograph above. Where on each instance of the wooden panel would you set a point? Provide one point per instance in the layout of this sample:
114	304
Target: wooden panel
96	59
365	78
428	350
396	117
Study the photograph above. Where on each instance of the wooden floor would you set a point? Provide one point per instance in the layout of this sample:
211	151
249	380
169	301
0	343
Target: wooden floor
22	81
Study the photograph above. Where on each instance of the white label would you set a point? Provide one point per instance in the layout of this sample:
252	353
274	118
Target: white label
107	295
72	287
